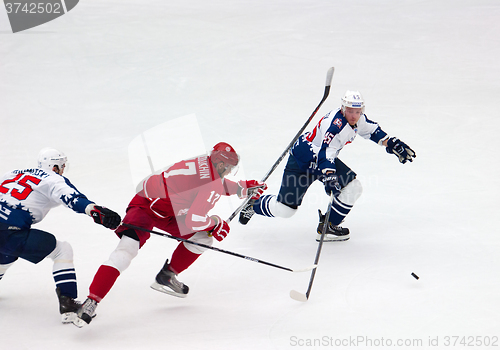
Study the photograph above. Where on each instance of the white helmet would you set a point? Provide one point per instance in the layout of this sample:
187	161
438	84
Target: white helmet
353	99
49	157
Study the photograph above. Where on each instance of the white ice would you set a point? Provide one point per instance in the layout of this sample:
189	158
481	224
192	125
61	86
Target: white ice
91	81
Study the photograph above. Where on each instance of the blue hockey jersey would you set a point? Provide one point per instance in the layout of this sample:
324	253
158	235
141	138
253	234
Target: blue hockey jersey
316	150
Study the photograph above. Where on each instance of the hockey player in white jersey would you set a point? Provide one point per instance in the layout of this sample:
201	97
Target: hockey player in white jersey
315	157
26	196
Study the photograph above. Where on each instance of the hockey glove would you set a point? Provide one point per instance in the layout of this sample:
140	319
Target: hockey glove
331	182
221	228
251	188
400	149
104	216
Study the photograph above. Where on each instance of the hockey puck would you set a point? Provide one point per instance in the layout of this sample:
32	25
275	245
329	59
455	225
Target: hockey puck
415	276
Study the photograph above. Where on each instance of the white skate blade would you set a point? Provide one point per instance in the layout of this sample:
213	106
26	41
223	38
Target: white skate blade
298	296
309	268
332	238
68	317
160	288
79	322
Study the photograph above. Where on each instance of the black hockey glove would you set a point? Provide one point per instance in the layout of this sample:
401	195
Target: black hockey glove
105	217
400	149
331	182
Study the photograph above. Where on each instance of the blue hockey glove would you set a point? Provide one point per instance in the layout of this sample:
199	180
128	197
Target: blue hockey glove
331	182
400	149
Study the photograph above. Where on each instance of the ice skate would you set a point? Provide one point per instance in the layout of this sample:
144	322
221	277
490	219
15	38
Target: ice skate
247	212
68	307
85	313
166	282
333	233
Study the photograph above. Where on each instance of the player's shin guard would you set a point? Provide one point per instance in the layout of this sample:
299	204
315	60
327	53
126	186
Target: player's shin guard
119	261
103	281
343	204
182	258
63	270
339	212
268	205
3	269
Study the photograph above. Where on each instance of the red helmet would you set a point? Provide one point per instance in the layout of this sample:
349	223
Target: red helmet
224	152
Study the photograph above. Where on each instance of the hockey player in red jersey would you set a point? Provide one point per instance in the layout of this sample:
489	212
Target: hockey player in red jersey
176	201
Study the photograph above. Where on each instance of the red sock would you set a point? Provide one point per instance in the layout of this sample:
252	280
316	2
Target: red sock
182	258
104	279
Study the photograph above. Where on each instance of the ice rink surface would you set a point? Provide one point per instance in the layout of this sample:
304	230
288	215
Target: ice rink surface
91	81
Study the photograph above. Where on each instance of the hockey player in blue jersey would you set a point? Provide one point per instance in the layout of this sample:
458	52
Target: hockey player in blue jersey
26	196
315	157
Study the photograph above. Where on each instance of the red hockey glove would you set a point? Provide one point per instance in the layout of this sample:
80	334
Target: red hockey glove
221	228
104	216
251	188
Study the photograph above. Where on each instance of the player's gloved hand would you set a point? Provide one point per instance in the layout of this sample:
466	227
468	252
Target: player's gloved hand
251	188
331	182
221	228
400	149
103	216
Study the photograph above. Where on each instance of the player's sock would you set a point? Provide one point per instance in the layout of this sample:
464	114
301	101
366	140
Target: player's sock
63	270
261	206
182	258
103	281
339	212
65	279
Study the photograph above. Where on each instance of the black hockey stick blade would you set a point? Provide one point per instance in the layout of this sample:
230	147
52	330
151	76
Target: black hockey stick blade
305	297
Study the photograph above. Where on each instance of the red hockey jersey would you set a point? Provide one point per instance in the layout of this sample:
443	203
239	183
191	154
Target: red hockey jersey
190	188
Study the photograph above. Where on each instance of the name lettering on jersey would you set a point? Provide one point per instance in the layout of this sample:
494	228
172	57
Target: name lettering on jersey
204	167
36	172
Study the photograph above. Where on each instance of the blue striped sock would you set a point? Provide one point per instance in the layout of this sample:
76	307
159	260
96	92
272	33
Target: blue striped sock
339	212
261	206
66	282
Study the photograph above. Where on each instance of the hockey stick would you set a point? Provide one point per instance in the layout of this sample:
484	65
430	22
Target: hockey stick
329	76
219	250
304	297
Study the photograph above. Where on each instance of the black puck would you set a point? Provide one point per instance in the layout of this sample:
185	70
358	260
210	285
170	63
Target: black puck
416	277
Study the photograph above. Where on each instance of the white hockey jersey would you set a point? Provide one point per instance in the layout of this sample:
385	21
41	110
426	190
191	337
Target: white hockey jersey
26	196
316	150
